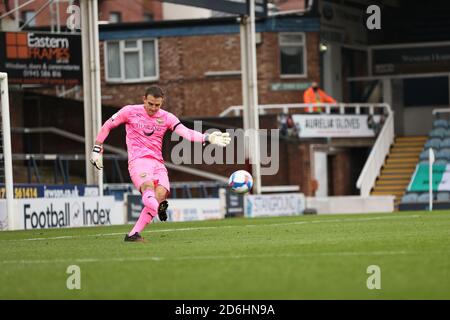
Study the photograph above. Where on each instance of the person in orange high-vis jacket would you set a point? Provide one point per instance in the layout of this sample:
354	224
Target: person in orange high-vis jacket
316	95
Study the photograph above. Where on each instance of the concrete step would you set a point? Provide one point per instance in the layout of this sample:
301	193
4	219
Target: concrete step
387	193
402	160
390	188
407	144
406	149
406	172
394	177
398	165
411	138
391	182
396	155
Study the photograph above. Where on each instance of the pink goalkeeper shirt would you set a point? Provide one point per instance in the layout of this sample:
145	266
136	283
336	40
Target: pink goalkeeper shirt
144	133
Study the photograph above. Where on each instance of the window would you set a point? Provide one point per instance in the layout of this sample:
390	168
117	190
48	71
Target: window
115	17
292	55
27	15
131	60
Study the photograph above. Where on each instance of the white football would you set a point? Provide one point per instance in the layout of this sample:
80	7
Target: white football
240	181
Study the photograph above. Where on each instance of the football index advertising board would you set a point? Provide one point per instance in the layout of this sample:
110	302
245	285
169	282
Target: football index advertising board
41	58
44	213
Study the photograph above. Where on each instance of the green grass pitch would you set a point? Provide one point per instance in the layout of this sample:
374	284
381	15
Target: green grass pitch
301	257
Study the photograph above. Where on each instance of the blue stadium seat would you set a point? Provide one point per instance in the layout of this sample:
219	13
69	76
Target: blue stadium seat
438	133
443	154
440	123
424	155
443	196
424	197
441	162
445	143
435	143
410	198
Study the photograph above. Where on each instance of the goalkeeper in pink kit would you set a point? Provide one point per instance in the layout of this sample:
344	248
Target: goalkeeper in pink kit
145	126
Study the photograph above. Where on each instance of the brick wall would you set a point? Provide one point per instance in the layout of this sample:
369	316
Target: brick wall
183	63
154	7
284	5
131	11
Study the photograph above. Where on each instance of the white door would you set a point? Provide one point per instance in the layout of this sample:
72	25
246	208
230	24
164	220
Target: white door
321	172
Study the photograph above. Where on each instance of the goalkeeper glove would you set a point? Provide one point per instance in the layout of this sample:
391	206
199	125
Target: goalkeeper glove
219	138
96	156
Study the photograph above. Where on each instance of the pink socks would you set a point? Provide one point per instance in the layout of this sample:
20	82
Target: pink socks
148	212
150	202
144	219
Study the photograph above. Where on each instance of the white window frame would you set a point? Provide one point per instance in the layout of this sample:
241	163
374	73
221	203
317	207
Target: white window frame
303	45
122	51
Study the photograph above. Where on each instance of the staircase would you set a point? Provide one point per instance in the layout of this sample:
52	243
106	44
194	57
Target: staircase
399	167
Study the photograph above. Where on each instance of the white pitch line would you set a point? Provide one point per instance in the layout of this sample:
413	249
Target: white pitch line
212	257
221	227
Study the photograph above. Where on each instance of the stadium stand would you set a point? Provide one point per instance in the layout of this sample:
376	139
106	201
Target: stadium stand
435	143
423	197
439	141
438	133
399	166
443	196
410	198
444	144
440	123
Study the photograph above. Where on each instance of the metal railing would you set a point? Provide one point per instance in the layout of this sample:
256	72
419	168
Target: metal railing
341	108
377	156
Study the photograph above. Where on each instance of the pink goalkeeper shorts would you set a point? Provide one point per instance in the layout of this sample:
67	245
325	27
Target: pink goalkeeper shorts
148	170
